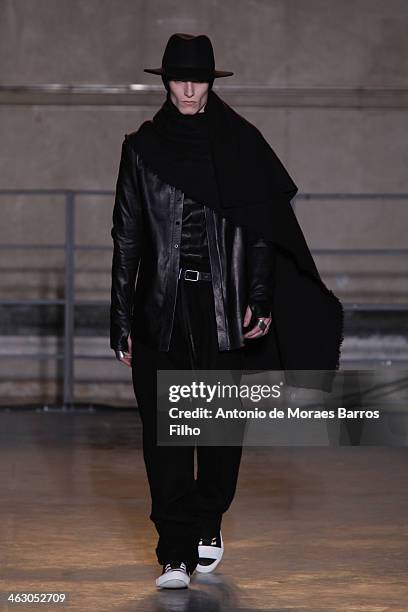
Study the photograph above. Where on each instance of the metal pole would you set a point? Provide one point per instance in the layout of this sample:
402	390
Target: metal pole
69	298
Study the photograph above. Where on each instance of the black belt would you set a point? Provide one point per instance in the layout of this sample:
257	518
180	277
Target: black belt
194	275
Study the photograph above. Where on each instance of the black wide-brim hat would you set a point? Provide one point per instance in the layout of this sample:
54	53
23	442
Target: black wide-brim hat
189	57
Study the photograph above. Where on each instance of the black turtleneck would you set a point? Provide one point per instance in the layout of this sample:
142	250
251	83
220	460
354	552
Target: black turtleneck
188	137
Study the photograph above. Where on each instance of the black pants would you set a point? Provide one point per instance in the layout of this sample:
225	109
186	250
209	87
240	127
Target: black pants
185	508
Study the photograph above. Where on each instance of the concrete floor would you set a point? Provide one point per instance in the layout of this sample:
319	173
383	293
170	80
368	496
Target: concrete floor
310	529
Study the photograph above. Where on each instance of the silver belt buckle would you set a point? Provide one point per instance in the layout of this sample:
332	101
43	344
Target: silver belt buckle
191	279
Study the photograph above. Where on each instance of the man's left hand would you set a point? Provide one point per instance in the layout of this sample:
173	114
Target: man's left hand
256	331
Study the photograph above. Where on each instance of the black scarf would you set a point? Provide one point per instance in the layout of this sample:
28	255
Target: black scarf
219	158
205	153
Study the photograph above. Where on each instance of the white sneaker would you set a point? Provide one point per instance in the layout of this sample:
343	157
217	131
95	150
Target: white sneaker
173	576
210	552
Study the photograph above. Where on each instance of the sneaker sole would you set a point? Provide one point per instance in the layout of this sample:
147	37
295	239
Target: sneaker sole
172	580
208	552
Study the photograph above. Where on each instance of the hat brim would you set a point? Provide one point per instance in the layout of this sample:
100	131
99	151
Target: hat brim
214	74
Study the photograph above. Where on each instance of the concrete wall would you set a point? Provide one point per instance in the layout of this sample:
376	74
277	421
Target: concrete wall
314	68
325	81
279	43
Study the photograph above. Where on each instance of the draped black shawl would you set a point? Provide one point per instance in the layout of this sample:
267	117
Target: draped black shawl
221	159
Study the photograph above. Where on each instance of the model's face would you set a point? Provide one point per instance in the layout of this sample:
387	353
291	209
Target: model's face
190	97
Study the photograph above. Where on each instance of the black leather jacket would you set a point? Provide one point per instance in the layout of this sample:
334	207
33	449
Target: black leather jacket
147	220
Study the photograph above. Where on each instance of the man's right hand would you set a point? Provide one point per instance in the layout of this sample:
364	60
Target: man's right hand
127	355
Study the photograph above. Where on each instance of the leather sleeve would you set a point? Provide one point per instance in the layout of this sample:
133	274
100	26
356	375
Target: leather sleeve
260	255
127	232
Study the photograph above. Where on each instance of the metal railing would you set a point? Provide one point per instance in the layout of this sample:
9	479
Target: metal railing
69	247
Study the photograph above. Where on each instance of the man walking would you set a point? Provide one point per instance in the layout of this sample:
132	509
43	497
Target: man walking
202	219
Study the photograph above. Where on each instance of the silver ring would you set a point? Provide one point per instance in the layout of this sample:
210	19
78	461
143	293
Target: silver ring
119	355
261	324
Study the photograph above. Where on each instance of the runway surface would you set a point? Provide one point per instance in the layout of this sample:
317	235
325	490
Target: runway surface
310	529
